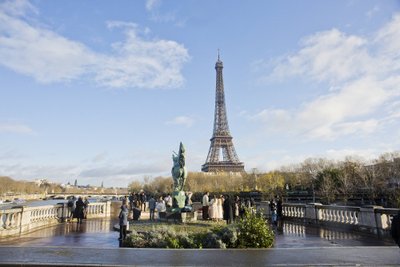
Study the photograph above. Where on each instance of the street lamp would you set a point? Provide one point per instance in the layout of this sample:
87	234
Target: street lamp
313	184
287	192
313	192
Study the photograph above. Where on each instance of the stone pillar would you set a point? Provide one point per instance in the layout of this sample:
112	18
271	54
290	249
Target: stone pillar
107	209
318	212
368	220
312	214
264	207
25	219
62	211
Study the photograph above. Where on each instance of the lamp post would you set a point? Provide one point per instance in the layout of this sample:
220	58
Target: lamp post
313	192
313	184
287	192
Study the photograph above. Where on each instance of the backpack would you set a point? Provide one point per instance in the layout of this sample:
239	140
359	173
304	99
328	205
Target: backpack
70	204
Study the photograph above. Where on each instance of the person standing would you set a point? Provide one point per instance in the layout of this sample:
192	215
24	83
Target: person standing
395	228
79	210
143	200
279	209
228	212
152	207
205	203
123	220
161	208
213	209
131	200
236	208
168	201
86	206
272	207
71	208
220	210
188	199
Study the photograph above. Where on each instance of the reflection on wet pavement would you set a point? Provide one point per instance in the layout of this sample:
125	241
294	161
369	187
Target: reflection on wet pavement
298	235
91	233
99	233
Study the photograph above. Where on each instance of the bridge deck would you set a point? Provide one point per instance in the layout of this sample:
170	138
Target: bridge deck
321	256
94	243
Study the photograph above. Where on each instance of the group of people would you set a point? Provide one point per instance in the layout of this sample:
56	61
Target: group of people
77	209
223	207
218	208
137	204
163	203
138	200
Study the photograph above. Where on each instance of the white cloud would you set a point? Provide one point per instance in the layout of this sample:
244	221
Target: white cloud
181	120
279	159
364	72
43	54
388	41
15	128
329	56
113	172
100	157
370	13
152	4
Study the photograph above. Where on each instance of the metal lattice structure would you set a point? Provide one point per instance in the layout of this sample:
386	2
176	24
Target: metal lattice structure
222	156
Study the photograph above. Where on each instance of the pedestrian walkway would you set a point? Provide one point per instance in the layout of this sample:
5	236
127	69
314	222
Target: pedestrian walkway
321	256
94	243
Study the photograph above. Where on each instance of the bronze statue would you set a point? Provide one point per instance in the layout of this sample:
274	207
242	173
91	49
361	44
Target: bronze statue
179	172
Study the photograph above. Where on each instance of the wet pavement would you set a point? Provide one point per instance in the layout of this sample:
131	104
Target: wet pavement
91	233
100	233
94	243
324	256
294	235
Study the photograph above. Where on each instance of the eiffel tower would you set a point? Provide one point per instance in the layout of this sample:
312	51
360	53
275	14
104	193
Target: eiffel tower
227	161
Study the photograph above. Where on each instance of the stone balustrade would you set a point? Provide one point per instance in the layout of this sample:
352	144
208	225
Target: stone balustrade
24	219
374	219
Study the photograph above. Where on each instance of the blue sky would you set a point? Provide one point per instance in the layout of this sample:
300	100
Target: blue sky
105	91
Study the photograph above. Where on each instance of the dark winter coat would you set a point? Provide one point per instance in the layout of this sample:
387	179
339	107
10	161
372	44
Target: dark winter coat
80	206
395	229
228	210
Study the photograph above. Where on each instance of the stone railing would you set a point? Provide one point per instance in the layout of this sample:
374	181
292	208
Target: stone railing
373	219
24	219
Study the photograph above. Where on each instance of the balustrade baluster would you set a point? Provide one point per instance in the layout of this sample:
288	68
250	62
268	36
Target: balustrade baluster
341	220
351	214
335	215
356	217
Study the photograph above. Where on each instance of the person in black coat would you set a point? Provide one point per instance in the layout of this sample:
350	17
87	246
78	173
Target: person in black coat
395	229
79	210
228	209
279	209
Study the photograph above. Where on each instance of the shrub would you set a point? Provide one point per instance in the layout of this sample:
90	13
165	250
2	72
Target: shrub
253	232
135	240
250	232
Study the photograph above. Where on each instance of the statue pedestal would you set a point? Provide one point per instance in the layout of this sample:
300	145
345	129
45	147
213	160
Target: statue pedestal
178	199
